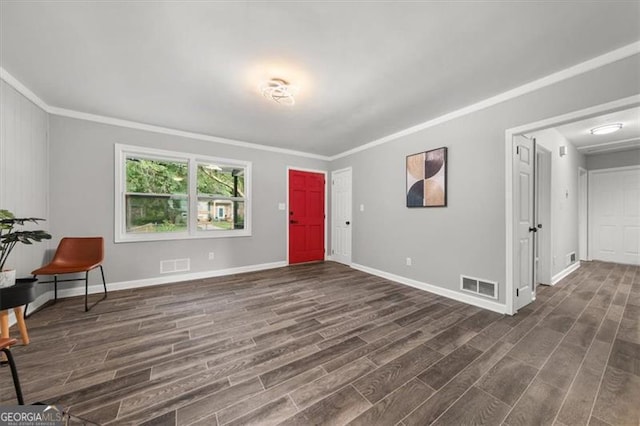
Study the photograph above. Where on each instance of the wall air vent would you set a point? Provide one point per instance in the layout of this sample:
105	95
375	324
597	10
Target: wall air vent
479	286
571	258
174	265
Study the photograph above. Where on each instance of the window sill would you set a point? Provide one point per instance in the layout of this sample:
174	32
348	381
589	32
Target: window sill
136	238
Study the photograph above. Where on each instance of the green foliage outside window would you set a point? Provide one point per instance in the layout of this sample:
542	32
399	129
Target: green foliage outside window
160	213
156	177
214	180
167	210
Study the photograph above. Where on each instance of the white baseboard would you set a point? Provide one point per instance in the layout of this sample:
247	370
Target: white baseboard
451	294
40	300
167	279
560	275
124	285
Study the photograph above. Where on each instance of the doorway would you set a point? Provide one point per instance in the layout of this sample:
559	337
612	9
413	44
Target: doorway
306	215
565	261
614	215
532	217
341	210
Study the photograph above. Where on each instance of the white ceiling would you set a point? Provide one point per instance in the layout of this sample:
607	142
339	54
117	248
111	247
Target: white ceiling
365	69
579	132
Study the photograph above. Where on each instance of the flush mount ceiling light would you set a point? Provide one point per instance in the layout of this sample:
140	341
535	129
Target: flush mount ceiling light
279	90
606	129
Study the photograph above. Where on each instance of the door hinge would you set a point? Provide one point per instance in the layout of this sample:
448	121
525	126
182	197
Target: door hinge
518	149
333	251
517	292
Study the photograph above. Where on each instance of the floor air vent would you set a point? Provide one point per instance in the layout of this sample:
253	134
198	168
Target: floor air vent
479	286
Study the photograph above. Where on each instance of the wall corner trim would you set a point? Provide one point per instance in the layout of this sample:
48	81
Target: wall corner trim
565	272
24	90
441	291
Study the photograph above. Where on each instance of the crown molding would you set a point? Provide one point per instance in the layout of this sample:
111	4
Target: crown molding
619	145
182	133
25	91
581	68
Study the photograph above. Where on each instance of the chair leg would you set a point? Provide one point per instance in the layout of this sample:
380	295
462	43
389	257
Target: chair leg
14	375
104	283
86	291
55	288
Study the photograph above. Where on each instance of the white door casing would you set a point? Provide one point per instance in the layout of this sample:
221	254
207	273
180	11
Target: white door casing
542	215
583	229
614	215
524	221
341	219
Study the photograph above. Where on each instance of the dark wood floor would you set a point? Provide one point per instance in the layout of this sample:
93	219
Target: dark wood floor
325	344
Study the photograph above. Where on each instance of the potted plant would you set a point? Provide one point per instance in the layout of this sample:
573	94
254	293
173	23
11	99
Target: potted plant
9	238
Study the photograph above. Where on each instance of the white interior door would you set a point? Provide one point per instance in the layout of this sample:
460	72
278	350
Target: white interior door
614	200
341	216
524	155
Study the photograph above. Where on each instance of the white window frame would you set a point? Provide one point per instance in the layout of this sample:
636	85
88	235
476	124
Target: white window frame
192	160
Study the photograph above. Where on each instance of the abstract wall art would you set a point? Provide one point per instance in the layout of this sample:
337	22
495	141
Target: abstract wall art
427	178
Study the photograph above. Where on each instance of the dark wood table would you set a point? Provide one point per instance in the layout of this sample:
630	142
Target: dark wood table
15	298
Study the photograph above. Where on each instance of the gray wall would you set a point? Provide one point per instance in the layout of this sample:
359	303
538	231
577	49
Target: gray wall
564	197
82	199
468	236
609	160
24	169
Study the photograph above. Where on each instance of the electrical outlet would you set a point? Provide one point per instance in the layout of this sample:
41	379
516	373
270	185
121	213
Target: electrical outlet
281	206
361	207
409	261
211	255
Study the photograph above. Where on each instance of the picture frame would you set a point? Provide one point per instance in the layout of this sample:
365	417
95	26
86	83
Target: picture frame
426	178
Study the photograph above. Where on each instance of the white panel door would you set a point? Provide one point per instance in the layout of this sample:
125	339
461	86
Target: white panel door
524	227
341	216
614	225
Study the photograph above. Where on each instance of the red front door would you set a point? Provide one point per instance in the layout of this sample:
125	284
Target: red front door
306	216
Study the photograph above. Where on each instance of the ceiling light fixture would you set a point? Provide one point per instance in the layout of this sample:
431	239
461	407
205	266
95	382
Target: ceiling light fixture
279	90
606	129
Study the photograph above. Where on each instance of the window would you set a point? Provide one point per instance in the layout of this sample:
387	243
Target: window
170	195
221	196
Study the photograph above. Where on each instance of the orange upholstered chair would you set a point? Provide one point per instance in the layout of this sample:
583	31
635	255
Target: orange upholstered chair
75	255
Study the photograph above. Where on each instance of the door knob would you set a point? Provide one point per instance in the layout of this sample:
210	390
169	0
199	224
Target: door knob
348	223
533	229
